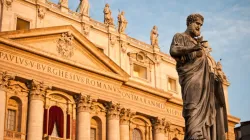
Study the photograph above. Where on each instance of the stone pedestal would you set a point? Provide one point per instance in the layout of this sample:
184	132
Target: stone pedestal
2	114
36	111
113	123
84	104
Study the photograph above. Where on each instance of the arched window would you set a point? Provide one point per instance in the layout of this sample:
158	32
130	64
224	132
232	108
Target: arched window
137	134
96	129
56	122
14	114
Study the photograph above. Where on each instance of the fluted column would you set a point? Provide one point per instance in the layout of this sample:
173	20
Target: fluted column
113	116
124	123
160	126
84	104
4	82
36	110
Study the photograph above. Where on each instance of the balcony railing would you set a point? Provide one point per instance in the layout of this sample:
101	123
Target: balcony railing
54	138
13	135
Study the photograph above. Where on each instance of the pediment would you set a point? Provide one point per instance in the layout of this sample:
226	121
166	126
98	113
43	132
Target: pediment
67	45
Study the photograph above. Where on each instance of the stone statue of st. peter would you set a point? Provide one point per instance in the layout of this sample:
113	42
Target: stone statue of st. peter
204	108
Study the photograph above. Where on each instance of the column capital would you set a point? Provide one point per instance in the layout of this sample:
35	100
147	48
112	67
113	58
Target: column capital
5	80
37	90
84	103
125	116
161	125
113	110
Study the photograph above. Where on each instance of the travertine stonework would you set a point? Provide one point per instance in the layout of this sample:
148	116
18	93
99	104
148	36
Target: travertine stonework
88	69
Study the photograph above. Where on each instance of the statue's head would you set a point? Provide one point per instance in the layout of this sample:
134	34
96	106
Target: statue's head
155	27
194	23
123	13
106	5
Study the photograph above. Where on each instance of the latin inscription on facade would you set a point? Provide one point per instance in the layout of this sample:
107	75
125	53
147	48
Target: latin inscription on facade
83	79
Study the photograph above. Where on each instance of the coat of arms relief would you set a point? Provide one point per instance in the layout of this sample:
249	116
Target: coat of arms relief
65	45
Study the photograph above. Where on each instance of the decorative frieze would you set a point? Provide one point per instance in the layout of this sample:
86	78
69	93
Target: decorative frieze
5	80
65	45
84	103
125	116
37	90
160	125
113	110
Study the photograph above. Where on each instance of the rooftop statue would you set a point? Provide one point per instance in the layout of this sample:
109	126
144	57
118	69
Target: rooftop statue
83	7
122	22
204	108
154	37
108	20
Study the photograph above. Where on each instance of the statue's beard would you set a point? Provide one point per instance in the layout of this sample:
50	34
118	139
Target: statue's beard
194	32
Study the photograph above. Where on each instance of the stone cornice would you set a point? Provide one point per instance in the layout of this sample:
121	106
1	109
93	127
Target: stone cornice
149	89
233	119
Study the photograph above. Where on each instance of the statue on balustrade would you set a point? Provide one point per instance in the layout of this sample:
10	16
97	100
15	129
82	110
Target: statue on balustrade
83	7
154	37
108	19
122	22
204	107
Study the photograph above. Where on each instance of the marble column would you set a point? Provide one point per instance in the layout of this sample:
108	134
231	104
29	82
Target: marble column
36	110
124	123
4	82
160	126
113	121
84	104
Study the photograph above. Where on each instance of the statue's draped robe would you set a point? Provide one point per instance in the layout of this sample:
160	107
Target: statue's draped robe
204	107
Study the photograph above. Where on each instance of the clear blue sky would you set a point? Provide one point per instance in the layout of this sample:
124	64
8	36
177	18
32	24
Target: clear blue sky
226	27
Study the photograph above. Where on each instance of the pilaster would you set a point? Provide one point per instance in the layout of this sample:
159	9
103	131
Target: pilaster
4	83
36	110
125	117
113	116
160	126
84	105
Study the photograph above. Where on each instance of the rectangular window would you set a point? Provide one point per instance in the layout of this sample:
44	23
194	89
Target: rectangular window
11	119
93	134
140	71
172	84
22	24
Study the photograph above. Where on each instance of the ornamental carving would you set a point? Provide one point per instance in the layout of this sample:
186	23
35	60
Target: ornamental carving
125	116
8	3
98	108
160	125
124	47
17	88
112	39
41	12
5	80
65	45
85	29
84	103
113	110
37	90
63	3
